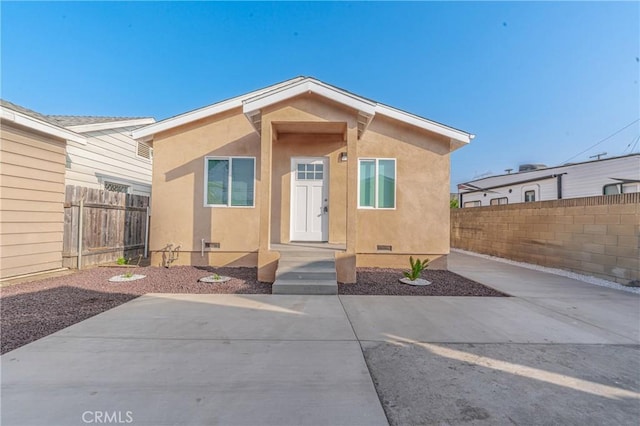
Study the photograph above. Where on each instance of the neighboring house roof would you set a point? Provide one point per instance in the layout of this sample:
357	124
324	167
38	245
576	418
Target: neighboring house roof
253	102
498	181
83	124
34	120
79	120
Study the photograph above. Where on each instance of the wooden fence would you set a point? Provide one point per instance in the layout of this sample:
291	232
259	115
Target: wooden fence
102	226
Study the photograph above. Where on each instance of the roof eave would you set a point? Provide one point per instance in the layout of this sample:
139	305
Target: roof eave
107	125
459	136
308	85
204	112
24	120
253	102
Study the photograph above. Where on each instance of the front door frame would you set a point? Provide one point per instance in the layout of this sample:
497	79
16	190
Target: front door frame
325	198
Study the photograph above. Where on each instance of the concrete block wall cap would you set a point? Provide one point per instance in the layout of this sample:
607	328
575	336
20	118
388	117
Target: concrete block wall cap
416	282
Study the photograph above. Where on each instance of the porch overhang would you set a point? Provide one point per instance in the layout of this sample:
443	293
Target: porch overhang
252	107
284	128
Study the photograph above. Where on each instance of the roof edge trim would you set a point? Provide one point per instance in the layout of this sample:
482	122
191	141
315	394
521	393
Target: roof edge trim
40	126
305	86
423	123
259	99
203	112
82	128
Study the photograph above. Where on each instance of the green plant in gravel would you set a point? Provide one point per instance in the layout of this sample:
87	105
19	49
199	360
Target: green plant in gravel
127	274
417	267
122	261
216	277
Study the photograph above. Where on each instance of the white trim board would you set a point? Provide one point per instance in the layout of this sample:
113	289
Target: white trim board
200	113
253	102
84	128
40	126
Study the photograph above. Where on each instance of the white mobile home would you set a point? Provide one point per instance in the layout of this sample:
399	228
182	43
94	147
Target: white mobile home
535	182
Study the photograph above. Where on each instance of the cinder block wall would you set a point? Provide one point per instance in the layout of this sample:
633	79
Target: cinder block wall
597	236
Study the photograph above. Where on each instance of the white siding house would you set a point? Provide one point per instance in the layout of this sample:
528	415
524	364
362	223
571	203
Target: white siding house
111	159
613	175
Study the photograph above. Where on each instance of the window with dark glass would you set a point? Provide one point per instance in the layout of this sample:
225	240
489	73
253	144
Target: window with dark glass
230	181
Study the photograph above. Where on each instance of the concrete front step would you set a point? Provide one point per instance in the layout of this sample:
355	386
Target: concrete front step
312	276
306	257
304	270
321	287
324	266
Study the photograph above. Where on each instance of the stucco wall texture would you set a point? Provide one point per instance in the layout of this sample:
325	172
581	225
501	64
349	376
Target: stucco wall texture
597	236
304	126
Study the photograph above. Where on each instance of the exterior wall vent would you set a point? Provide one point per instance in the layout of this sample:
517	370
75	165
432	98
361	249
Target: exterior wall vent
380	247
212	245
144	150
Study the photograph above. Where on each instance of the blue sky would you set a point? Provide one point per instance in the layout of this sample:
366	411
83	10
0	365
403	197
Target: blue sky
536	82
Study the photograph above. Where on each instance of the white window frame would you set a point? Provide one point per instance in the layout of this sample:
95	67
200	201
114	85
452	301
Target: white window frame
395	184
498	203
621	187
472	203
206	181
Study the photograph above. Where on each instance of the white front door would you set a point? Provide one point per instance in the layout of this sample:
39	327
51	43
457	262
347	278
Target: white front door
309	199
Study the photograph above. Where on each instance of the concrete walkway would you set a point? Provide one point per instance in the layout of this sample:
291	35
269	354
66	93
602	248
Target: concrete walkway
559	352
197	360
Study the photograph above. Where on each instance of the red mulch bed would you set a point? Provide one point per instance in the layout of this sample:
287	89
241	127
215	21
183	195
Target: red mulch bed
384	282
30	311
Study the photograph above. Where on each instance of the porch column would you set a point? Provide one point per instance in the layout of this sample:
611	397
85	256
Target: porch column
346	262
267	261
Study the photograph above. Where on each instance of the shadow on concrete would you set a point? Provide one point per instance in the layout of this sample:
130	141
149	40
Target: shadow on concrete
503	383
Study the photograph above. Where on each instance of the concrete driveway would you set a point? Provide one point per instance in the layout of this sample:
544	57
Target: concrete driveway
559	352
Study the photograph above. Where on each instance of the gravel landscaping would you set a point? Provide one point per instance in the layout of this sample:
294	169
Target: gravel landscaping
30	311
384	282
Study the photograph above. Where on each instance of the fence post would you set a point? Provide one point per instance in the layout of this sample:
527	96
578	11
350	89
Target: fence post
146	234
80	219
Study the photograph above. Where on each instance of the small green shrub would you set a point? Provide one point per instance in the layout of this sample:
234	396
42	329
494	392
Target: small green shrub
122	261
127	274
454	204
216	277
416	268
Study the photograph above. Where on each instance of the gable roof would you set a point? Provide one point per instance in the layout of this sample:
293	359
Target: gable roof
34	120
253	102
81	120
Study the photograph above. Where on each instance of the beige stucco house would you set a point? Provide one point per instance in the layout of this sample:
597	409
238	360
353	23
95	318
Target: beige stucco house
300	161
